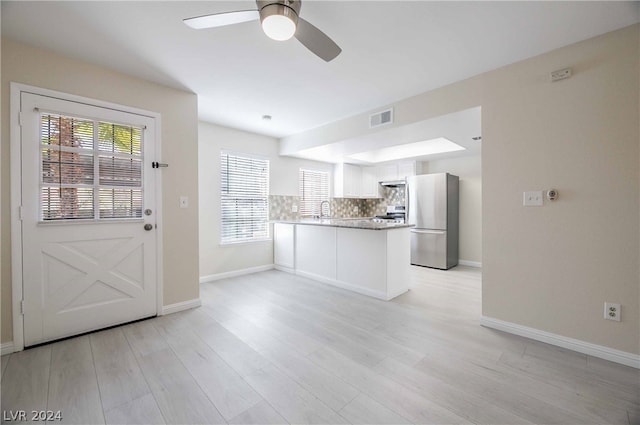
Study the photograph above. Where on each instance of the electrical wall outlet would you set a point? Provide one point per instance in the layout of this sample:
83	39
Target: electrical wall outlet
612	311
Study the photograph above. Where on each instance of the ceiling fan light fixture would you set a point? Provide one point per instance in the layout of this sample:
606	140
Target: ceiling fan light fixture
278	28
278	21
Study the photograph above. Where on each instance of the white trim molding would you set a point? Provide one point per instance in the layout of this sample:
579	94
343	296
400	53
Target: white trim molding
285	269
477	264
181	306
600	351
7	348
16	223
234	273
353	288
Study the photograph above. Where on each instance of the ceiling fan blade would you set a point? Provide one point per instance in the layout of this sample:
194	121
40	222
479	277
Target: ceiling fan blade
222	19
316	41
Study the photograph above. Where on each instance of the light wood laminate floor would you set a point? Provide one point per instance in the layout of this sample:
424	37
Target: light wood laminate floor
274	348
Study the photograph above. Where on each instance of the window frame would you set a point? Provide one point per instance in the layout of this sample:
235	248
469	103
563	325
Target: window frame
96	154
267	176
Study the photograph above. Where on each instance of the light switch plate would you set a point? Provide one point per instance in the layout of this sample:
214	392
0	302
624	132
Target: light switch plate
532	198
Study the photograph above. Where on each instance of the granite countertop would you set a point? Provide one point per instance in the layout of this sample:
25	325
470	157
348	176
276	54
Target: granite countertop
352	223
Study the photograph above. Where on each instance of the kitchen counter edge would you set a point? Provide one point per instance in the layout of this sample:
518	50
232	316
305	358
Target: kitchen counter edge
348	223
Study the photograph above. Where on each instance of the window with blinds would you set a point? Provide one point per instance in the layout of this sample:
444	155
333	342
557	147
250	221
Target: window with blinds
314	189
244	198
90	169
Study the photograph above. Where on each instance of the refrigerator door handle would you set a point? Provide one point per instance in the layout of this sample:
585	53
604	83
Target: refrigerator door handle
407	215
431	232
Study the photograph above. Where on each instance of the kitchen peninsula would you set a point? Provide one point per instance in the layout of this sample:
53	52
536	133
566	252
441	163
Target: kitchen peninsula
355	254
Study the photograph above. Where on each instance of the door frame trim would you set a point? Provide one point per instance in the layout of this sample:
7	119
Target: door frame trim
15	135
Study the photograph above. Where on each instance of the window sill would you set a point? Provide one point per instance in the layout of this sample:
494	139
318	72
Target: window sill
76	221
229	244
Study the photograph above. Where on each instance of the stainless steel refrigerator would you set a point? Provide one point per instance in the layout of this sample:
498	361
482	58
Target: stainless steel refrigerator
432	206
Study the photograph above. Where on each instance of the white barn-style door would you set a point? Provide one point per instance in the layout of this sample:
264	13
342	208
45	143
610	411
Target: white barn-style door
88	217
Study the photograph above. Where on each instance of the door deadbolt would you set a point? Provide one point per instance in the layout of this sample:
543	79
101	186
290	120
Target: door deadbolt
148	226
147	212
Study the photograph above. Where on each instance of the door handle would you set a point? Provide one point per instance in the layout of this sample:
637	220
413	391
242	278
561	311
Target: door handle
148	226
428	232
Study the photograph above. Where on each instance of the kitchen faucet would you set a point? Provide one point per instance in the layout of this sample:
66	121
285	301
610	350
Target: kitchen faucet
328	208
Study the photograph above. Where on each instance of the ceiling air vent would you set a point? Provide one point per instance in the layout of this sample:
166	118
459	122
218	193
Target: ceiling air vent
381	118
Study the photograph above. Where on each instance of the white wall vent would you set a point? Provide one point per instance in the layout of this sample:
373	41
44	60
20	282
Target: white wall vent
381	118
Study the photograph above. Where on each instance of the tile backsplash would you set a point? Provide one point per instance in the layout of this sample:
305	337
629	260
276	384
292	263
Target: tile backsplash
280	206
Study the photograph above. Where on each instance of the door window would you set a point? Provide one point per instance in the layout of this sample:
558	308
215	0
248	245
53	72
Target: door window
90	169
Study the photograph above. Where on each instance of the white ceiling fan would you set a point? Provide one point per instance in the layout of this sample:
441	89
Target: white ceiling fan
280	21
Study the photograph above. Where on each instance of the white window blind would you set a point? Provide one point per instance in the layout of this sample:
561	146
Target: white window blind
90	169
314	189
244	197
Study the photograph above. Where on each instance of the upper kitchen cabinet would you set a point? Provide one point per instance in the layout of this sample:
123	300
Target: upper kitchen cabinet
387	172
353	181
396	171
370	183
406	169
347	181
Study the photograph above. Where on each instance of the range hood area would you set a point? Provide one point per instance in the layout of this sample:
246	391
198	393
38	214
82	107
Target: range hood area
393	183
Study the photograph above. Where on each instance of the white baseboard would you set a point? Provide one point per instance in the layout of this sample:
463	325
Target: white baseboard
7	348
470	263
353	288
234	273
600	351
184	305
285	269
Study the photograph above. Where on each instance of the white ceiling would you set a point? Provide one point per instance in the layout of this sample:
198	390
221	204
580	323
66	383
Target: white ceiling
459	127
391	50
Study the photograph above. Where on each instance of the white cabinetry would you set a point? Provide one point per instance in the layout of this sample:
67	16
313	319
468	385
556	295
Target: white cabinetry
353	181
373	263
397	171
284	246
363	255
316	251
387	172
370	262
406	169
370	186
347	180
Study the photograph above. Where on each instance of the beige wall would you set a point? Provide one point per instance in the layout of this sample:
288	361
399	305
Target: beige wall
468	168
552	268
283	180
28	65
